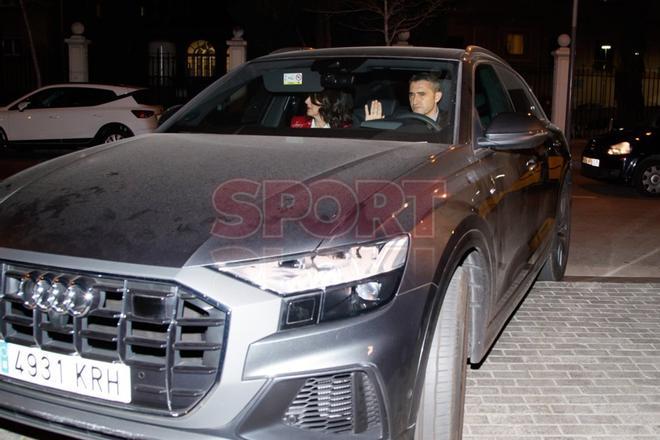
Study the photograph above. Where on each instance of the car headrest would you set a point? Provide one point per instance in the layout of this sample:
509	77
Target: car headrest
446	103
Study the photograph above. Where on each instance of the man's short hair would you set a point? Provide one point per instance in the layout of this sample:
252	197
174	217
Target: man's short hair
427	76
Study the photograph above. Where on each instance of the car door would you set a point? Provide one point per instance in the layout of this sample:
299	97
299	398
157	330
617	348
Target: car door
516	176
80	116
544	178
36	117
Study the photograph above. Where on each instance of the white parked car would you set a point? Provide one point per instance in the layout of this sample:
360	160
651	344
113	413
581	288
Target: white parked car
78	115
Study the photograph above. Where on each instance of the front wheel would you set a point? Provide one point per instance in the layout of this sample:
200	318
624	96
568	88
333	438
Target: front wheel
4	142
555	266
647	178
112	134
440	414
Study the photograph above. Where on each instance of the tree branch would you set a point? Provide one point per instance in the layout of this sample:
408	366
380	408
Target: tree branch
393	16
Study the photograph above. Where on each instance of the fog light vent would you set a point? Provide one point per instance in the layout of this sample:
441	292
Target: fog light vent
341	403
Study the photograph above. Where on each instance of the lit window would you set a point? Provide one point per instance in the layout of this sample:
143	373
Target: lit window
201	59
515	44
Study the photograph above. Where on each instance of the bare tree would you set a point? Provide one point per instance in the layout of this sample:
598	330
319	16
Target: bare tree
33	51
388	17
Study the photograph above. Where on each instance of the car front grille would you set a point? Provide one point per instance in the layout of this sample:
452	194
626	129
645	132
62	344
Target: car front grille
172	339
345	403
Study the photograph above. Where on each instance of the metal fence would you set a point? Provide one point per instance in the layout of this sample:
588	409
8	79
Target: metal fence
16	77
541	84
177	79
651	88
598	106
594	104
595	107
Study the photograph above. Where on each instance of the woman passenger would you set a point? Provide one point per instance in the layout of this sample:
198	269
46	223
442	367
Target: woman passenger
327	109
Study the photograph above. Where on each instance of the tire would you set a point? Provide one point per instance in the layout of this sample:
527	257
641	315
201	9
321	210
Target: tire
440	413
4	142
555	266
647	178
111	134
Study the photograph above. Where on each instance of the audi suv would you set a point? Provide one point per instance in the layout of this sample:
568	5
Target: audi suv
233	276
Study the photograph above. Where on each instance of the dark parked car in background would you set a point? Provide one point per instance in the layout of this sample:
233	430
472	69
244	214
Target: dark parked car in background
630	156
235	277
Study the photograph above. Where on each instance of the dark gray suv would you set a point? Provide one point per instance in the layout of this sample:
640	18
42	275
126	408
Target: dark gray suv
240	274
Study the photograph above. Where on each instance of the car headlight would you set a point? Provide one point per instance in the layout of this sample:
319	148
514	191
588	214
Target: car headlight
619	149
329	284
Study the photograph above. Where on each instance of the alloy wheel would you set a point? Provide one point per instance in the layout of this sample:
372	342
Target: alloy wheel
650	180
4	143
563	231
113	137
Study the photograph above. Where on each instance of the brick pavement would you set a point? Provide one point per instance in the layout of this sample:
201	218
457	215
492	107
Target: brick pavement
577	361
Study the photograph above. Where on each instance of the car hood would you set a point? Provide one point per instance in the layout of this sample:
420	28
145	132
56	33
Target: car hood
156	199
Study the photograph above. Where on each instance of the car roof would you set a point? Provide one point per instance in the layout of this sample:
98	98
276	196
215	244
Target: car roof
118	89
385	51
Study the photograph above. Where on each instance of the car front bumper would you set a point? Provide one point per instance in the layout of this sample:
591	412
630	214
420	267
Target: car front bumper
607	167
267	376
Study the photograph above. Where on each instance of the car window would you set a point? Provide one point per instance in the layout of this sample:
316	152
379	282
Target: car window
48	98
519	93
60	97
146	97
269	98
84	97
246	105
490	98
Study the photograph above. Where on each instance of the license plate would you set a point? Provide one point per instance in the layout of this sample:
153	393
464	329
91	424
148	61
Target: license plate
591	161
103	380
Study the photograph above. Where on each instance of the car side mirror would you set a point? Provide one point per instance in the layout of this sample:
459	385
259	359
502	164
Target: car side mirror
23	105
513	131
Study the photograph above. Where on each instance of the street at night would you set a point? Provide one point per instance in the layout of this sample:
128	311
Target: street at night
315	219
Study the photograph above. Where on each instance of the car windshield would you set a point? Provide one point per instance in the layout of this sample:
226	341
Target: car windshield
281	97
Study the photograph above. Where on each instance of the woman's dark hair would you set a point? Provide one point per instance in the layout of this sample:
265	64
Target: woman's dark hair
336	107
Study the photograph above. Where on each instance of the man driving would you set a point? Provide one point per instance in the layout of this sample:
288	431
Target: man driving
424	94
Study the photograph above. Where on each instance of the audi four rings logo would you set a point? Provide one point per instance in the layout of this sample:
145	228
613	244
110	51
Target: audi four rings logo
59	294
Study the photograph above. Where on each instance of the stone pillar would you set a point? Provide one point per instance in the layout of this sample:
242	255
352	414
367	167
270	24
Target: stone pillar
560	81
78	61
236	50
402	38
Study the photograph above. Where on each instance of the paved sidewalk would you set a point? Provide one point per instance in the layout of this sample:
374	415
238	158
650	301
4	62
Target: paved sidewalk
577	361
615	231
